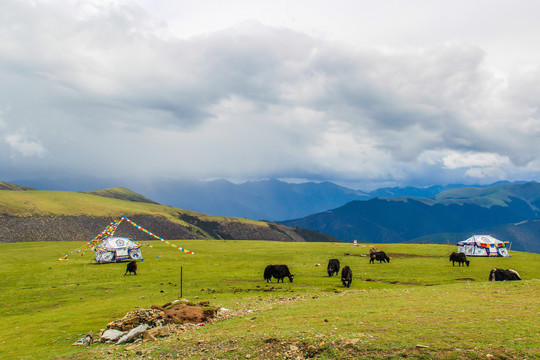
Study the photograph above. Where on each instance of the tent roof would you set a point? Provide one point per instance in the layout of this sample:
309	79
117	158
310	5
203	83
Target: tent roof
483	239
115	242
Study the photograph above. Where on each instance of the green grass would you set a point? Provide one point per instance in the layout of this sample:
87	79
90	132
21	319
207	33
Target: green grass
418	298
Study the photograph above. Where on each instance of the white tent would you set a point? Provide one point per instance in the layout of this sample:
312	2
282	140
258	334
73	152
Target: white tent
115	249
483	245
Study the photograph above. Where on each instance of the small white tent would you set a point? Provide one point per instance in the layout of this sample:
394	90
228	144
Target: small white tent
483	245
115	249
111	249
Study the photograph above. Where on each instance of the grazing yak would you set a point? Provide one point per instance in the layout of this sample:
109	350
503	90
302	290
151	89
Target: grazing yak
131	268
333	267
346	276
503	275
277	271
378	255
460	258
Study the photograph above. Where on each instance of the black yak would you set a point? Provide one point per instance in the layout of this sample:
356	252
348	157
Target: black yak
346	276
333	267
460	258
503	275
131	268
277	271
379	256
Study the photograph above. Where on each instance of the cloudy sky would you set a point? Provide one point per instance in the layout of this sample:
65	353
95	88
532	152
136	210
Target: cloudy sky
362	93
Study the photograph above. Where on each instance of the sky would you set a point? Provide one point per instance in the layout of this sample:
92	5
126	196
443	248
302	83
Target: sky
361	93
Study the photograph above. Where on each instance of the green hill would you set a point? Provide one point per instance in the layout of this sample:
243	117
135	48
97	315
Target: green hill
493	196
9	186
60	215
120	193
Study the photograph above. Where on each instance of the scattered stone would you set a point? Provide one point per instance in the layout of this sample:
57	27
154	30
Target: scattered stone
489	356
86	340
111	335
161	331
133	334
352	341
148	337
151	317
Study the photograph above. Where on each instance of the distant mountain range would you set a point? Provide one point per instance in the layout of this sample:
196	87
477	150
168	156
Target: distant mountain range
272	200
510	211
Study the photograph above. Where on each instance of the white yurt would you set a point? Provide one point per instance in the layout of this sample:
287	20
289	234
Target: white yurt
483	245
116	249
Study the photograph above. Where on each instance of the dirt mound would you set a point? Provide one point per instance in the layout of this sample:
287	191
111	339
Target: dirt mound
181	313
177	313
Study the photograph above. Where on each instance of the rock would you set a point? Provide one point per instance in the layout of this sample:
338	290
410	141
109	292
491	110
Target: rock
152	317
111	335
133	334
159	331
85	341
148	337
352	341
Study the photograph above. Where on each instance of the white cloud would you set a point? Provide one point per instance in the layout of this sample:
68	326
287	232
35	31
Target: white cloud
454	160
21	144
95	79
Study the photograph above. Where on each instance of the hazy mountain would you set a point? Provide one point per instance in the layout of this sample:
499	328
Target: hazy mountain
428	192
268	199
465	210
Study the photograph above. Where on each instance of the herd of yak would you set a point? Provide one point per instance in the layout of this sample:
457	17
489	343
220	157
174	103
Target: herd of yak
280	272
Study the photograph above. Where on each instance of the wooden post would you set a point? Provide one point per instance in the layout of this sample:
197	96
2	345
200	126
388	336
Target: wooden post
181	280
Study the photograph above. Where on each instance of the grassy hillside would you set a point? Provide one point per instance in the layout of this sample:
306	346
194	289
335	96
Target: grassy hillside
120	193
493	196
418	298
9	186
61	215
